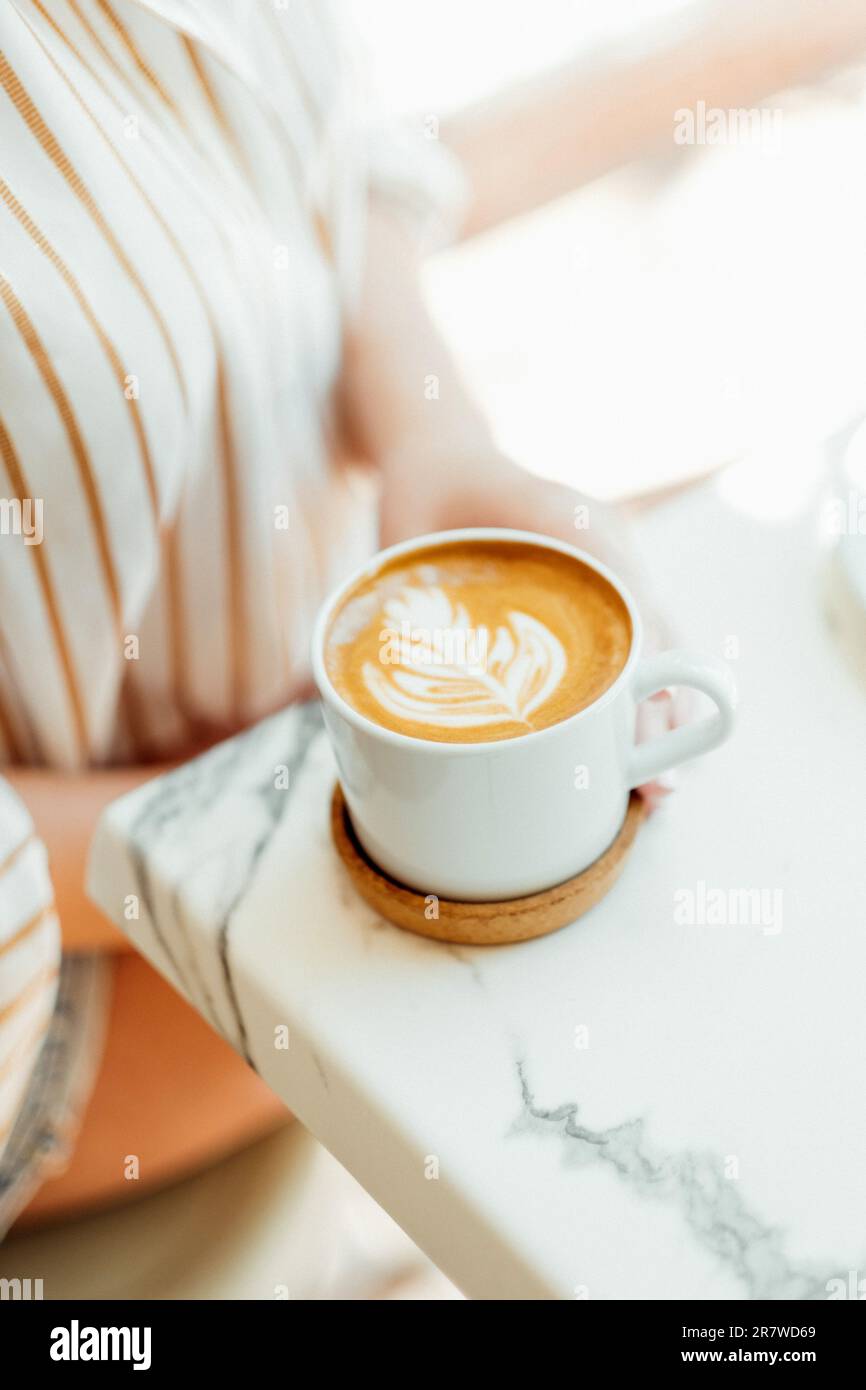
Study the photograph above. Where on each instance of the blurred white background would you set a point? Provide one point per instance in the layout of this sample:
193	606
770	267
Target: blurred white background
439	57
704	307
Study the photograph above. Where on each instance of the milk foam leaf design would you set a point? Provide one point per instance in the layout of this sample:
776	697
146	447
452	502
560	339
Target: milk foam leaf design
437	679
424	608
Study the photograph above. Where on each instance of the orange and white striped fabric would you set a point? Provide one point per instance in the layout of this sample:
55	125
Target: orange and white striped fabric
182	190
29	954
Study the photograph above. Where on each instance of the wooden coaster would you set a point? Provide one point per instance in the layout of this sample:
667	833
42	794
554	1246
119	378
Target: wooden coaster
482	924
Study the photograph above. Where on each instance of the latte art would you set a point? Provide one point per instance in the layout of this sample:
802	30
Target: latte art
473	641
502	681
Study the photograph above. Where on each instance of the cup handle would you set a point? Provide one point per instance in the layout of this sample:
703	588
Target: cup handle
705	673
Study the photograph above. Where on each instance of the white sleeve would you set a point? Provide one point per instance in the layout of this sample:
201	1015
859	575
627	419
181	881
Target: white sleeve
419	177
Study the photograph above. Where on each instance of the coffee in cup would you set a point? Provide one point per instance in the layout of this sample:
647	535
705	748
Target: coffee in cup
476	641
480	691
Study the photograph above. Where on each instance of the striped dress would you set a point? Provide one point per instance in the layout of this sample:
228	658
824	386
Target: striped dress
182	194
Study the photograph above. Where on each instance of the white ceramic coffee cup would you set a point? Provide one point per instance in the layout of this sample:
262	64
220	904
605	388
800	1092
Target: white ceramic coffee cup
487	821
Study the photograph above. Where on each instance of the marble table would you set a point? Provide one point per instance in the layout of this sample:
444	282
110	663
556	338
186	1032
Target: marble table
663	1100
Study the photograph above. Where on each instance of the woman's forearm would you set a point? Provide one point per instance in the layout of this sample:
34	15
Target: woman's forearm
549	136
407	408
401	385
65	808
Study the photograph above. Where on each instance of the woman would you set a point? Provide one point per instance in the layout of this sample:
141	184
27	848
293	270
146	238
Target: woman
210	305
216	363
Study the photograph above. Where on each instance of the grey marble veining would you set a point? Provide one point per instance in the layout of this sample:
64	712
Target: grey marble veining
693	1183
177	810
